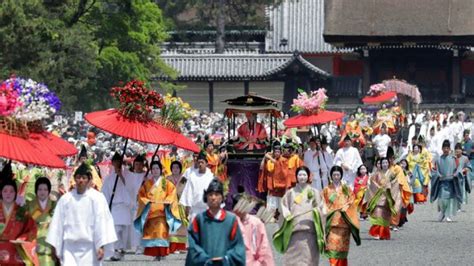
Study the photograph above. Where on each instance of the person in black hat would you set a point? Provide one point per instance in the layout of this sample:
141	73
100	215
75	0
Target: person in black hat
96	179
349	159
214	235
87	211
445	185
464	169
275	172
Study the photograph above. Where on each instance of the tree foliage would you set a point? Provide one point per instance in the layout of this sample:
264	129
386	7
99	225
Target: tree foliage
81	48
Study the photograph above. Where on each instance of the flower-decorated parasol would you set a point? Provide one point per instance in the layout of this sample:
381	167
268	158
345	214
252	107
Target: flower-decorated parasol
21	102
133	118
312	110
35	103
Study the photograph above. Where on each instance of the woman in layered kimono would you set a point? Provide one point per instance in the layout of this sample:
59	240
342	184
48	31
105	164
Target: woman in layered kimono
382	195
17	229
419	166
360	187
41	210
384	117
341	221
158	213
411	180
301	237
179	239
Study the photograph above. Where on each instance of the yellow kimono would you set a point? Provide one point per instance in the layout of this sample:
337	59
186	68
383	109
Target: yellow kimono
157	215
341	222
405	191
42	218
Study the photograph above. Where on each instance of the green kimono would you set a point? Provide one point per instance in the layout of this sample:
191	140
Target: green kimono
42	218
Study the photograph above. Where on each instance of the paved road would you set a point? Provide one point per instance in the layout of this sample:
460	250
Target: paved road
423	241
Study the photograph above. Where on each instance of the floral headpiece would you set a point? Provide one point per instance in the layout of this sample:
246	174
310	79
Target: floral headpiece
376	89
136	102
309	104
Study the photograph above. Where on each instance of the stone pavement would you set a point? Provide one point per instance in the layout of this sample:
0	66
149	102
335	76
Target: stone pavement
422	241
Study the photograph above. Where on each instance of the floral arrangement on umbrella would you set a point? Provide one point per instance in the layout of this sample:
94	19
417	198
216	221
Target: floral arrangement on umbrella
376	89
35	101
310	103
174	112
136	101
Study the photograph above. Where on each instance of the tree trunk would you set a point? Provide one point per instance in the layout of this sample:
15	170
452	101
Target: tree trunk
220	36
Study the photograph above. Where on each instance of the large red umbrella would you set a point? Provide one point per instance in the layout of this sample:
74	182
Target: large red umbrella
21	150
184	143
314	119
53	144
115	123
382	97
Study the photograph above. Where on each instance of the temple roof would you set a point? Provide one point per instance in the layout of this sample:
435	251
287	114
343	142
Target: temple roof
235	66
383	21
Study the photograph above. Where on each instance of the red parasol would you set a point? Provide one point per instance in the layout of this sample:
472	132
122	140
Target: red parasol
19	149
52	144
113	122
184	143
314	119
383	97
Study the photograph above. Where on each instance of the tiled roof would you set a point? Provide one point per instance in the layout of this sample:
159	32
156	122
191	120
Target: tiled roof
233	66
301	23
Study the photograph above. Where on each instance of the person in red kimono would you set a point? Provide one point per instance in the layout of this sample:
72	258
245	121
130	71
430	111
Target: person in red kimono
251	134
17	229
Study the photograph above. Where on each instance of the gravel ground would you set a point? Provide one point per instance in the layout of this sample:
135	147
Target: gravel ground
422	241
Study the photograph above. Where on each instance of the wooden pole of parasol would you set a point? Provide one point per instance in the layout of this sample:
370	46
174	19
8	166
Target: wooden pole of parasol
117	177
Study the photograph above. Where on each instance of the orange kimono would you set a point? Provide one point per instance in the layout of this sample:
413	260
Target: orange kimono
157	215
213	162
341	222
18	225
276	177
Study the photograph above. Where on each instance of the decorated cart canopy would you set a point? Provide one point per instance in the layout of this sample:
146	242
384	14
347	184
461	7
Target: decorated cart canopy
252	103
387	92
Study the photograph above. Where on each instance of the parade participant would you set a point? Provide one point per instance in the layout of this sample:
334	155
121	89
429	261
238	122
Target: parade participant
349	159
121	207
468	145
221	173
341	220
405	193
360	187
397	113
445	184
382	192
212	158
419	167
16	224
354	131
158	213
258	251
96	179
179	239
251	134
319	161
368	155
135	178
463	171
382	141
92	233
301	237
41	209
410	179
214	235
294	162
197	182
275	178
384	117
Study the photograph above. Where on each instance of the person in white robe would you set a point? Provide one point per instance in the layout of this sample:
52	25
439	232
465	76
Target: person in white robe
319	163
381	142
193	192
121	207
349	159
82	228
